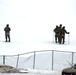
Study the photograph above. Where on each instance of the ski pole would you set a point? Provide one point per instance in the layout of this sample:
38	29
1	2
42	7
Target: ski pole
68	39
53	36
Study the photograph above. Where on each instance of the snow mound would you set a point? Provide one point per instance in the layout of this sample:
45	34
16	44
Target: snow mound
44	72
10	69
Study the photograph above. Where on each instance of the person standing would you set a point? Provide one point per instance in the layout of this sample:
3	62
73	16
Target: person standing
7	30
56	30
63	31
59	38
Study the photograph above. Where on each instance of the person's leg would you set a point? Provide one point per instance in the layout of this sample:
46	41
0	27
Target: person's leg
6	37
9	37
63	39
56	38
60	39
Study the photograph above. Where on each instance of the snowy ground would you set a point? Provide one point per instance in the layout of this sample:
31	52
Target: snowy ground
6	70
32	23
35	72
17	47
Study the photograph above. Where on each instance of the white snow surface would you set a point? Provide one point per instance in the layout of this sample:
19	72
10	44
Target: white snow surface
35	72
32	23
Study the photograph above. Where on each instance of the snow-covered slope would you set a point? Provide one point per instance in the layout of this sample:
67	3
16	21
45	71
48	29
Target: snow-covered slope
32	23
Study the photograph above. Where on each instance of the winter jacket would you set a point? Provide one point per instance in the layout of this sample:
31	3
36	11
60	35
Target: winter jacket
7	29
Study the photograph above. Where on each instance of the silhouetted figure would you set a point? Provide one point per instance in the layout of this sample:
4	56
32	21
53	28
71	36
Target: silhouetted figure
56	30
59	37
62	32
7	33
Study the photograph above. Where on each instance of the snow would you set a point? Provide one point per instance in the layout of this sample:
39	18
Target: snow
35	72
32	23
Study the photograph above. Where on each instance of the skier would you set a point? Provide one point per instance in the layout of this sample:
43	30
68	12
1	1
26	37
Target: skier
62	34
56	30
7	30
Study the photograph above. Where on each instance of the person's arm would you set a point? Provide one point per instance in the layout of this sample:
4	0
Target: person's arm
4	29
67	32
9	29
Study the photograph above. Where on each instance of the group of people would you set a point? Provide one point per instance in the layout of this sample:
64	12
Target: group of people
60	34
7	30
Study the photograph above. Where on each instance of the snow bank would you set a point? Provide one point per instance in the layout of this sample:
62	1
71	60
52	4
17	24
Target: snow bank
44	72
6	69
10	69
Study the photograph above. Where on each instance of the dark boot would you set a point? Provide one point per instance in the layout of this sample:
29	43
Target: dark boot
6	41
9	40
